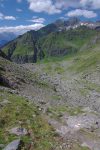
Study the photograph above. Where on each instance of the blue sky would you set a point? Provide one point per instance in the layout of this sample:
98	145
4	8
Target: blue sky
20	16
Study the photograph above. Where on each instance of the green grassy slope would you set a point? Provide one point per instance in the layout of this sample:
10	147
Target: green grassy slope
19	109
66	42
87	59
15	109
24	45
33	45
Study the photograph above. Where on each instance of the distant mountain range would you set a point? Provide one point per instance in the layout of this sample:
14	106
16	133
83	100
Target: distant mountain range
5	37
57	39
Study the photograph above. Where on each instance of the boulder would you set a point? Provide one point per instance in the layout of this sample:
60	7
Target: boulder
1	145
15	145
19	131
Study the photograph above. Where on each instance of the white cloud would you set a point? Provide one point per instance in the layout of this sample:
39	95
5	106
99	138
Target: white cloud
67	3
81	12
21	29
3	17
19	10
56	6
9	18
37	20
93	4
43	6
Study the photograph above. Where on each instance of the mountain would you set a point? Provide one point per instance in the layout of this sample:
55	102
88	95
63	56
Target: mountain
5	37
16	108
65	42
53	104
2	54
57	39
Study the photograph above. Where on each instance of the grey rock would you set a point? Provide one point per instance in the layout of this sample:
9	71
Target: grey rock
1	145
4	102
18	131
14	145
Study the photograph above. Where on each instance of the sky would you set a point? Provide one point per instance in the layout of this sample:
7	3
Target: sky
19	16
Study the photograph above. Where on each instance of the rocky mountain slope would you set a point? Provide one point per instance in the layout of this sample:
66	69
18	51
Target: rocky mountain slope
52	104
57	39
21	121
74	110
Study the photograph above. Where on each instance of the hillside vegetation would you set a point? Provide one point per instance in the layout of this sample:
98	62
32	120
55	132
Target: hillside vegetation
26	98
52	103
50	41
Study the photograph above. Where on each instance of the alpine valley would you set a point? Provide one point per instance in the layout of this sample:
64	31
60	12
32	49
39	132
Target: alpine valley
50	88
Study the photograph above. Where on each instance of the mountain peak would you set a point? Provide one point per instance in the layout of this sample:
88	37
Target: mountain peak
68	22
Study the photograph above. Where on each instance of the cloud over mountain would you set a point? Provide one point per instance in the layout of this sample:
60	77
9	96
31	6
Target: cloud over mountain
21	29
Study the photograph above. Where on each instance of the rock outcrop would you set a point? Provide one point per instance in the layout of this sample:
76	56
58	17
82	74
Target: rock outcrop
15	145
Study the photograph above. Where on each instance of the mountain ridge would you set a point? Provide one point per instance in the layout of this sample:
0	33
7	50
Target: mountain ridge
59	38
